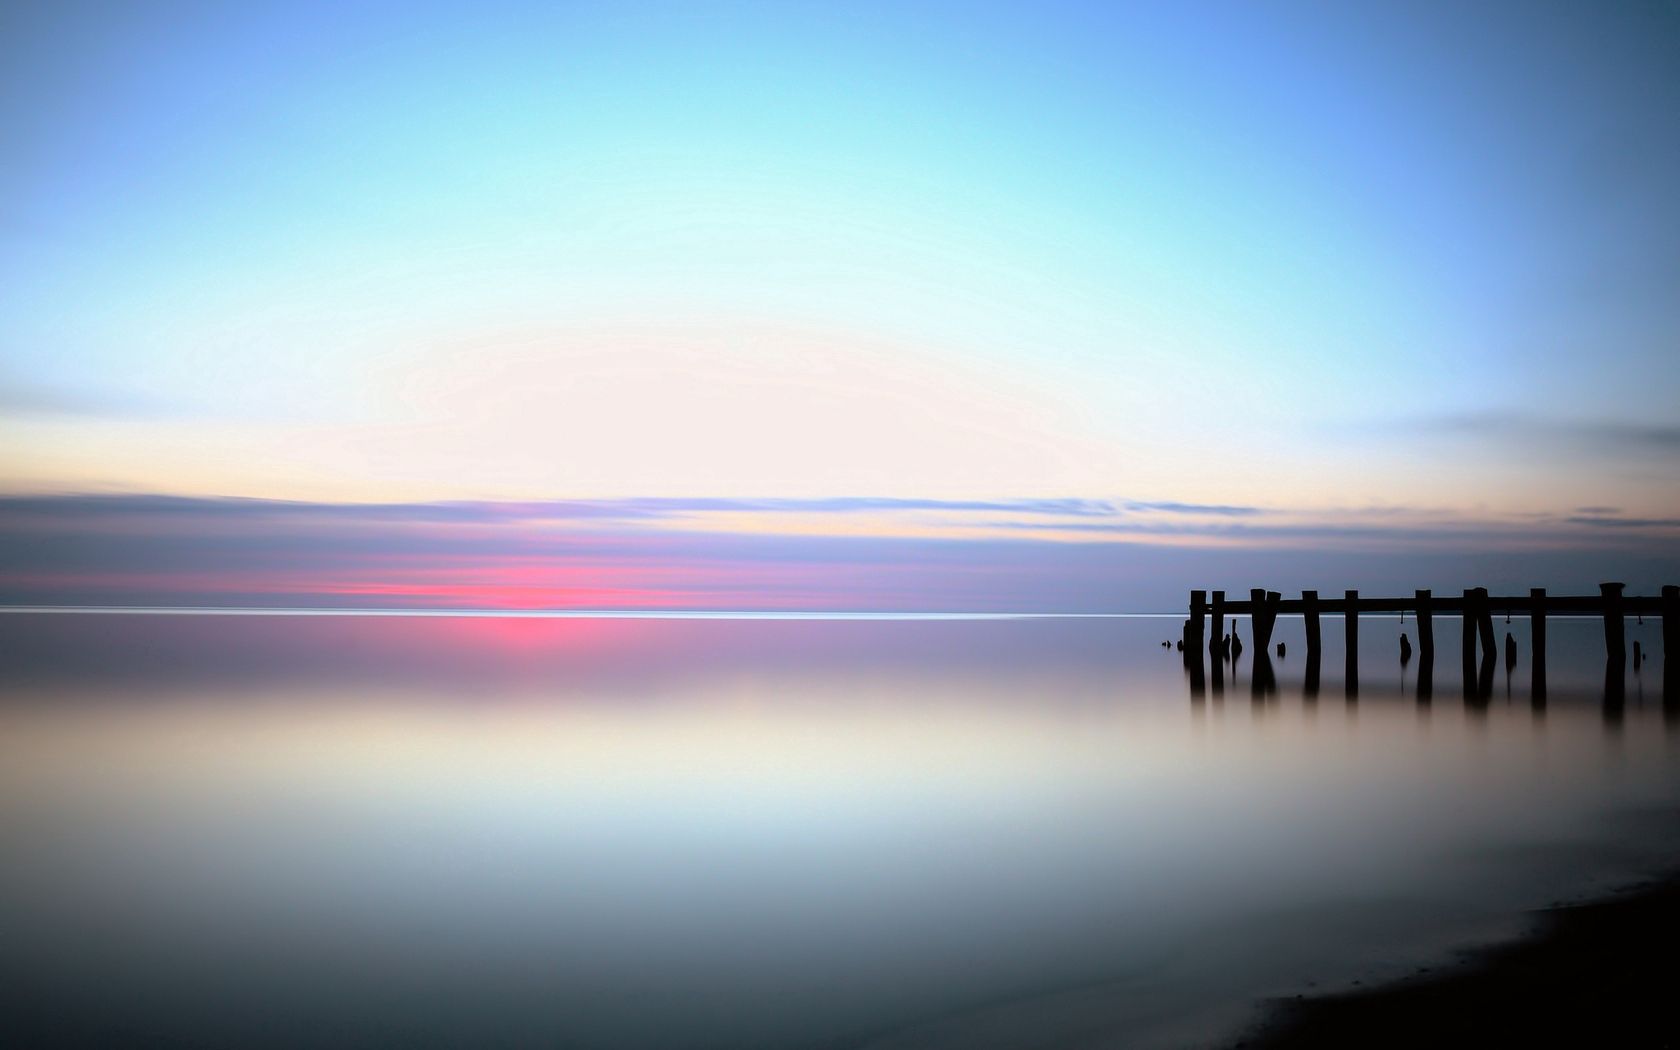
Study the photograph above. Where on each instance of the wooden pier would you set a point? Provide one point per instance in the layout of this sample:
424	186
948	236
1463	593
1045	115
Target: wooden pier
1475	607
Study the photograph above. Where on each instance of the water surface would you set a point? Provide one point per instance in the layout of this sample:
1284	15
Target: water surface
284	831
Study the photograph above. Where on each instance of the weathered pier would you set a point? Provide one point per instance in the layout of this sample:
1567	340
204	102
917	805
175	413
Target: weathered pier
1475	607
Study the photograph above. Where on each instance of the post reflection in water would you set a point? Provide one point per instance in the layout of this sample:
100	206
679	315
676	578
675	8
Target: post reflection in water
1615	688
617	834
1608	691
1264	679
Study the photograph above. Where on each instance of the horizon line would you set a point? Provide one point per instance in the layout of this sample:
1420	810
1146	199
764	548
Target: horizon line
643	614
574	614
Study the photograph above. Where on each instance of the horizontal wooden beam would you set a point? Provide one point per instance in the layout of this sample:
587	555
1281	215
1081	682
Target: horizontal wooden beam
1555	605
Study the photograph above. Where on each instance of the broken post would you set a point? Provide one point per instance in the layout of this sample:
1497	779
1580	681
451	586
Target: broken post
1309	614
1671	648
1425	628
1264	617
1615	648
1671	625
1484	623
1193	636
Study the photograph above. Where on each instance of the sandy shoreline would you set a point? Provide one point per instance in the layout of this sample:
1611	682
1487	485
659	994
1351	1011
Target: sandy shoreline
1598	973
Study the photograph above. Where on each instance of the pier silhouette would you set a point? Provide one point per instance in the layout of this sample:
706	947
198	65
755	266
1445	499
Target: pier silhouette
1480	649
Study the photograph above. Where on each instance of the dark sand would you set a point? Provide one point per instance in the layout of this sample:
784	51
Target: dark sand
1600	974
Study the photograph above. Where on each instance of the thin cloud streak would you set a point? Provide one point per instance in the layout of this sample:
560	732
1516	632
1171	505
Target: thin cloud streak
1602	521
164	550
635	509
1588	437
1169	507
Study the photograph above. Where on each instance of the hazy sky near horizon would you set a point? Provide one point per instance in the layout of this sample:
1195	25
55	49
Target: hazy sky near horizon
1308	259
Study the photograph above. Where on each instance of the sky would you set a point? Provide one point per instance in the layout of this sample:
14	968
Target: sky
820	305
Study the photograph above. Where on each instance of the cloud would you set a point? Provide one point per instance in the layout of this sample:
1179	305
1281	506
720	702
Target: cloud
1603	521
106	506
677	506
1607	438
95	506
1168	507
157	549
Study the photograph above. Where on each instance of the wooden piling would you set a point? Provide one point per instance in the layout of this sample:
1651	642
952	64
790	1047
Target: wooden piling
1350	633
1484	624
1484	678
1467	636
1671	625
1264	606
1615	646
1671	649
1425	629
1262	680
1273	601
1476	610
1467	628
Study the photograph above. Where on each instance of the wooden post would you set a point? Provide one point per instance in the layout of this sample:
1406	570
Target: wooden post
1257	617
1615	648
1309	614
1315	647
1265	615
1484	624
1425	629
1671	624
1216	639
1263	678
1468	631
1350	631
1671	648
1537	641
1490	647
1273	600
1198	603
1615	688
1469	626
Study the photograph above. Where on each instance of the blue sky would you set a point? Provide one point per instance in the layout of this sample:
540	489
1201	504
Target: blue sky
1315	259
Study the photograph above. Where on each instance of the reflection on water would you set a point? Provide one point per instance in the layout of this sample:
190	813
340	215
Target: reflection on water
610	833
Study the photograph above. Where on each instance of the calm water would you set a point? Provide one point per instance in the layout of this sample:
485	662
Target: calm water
645	833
